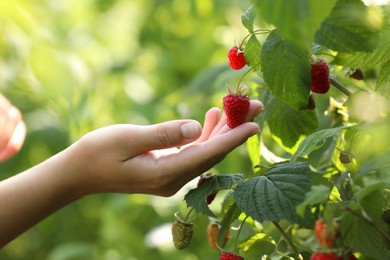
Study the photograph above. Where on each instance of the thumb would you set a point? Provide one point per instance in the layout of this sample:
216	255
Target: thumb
171	134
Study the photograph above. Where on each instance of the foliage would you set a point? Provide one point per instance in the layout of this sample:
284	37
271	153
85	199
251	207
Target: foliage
73	66
330	161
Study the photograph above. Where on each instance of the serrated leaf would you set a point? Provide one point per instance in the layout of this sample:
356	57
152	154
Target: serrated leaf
196	198
383	80
252	52
275	195
298	20
248	18
364	60
347	29
359	235
315	141
289	124
286	70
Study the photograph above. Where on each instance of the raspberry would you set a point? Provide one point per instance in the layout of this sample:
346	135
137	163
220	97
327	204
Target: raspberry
236	58
320	82
325	235
236	108
344	158
212	234
210	198
230	256
324	256
182	234
357	74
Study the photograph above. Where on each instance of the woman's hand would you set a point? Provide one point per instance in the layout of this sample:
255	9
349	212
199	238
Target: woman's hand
12	129
146	159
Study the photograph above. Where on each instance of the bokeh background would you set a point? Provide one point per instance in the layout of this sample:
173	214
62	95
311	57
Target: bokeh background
72	66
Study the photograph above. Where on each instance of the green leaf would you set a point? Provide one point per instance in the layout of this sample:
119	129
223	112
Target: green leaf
374	164
286	70
275	195
360	236
289	124
253	147
316	195
383	80
364	60
196	198
298	20
248	18
315	141
348	29
252	51
231	215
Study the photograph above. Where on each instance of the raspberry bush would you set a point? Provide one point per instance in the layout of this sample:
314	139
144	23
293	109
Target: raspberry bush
322	156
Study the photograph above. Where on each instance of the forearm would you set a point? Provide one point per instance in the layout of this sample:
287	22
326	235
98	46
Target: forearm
29	197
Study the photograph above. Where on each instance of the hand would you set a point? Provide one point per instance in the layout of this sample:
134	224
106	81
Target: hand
145	159
12	129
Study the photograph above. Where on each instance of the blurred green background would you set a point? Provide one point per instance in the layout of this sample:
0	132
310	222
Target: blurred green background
72	66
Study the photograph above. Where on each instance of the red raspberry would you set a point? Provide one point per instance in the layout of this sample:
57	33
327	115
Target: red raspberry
324	256
230	256
325	235
320	82
236	58
210	198
236	108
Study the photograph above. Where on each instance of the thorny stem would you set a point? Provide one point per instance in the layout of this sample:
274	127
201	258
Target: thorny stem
288	240
340	87
238	233
368	221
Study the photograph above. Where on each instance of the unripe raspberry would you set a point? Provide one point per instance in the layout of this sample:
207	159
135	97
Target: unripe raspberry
182	234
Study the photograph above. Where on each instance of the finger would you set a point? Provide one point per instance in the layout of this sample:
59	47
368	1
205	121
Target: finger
165	135
255	108
211	120
14	118
15	143
198	158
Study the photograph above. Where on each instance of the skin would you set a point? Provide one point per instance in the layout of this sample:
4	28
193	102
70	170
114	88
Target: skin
121	158
12	129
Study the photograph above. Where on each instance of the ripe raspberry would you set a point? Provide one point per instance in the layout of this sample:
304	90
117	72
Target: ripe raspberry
320	82
182	234
236	108
230	256
236	58
325	235
210	198
324	256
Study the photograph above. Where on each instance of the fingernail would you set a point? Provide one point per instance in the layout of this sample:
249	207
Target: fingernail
190	130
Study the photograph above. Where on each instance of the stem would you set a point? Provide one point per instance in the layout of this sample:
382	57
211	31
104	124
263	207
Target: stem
368	221
340	87
287	238
188	214
238	233
242	77
258	31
